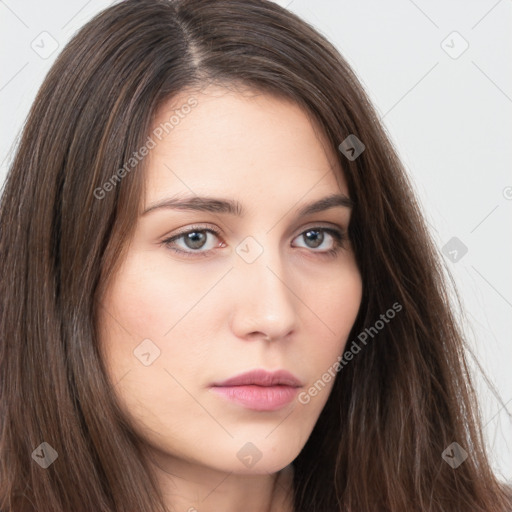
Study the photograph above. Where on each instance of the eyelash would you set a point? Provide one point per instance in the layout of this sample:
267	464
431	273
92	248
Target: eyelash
338	236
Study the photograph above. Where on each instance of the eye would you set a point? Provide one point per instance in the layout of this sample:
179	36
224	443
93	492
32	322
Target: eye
316	236
194	241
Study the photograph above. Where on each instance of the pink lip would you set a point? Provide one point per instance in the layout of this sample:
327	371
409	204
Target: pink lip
260	390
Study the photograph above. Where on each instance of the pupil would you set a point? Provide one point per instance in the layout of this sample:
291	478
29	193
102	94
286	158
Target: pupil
196	239
316	234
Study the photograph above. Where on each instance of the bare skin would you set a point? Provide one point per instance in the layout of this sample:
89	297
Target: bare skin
213	314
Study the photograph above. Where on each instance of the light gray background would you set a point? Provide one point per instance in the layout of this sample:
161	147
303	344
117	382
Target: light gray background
449	116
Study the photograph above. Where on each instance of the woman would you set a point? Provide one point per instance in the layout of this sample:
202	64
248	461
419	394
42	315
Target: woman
218	292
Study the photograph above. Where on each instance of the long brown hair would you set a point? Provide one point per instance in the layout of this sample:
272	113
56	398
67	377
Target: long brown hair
394	409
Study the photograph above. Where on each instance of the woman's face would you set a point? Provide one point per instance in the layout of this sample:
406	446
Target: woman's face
246	290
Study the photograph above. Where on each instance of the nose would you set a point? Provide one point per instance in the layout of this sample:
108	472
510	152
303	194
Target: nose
265	305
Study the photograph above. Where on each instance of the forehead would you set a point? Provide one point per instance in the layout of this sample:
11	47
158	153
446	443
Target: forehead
227	142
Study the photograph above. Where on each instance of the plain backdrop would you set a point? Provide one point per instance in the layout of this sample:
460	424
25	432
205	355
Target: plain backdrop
440	76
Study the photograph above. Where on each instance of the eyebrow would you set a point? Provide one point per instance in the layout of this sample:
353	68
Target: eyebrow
235	208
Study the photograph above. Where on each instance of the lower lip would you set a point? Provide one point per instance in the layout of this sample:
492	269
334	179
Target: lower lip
258	398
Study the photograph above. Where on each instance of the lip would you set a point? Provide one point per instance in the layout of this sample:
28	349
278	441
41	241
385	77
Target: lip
259	390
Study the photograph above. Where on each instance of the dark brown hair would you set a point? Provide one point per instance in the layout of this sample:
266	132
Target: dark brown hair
393	410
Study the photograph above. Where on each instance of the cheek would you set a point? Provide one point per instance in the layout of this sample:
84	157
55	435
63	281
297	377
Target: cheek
149	296
141	305
340	301
334	308
336	303
150	300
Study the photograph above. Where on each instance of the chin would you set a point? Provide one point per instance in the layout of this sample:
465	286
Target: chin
259	456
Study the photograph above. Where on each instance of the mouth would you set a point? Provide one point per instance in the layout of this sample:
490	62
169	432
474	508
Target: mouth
259	390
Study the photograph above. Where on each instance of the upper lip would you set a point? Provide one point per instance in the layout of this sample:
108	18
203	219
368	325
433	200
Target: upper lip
261	378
